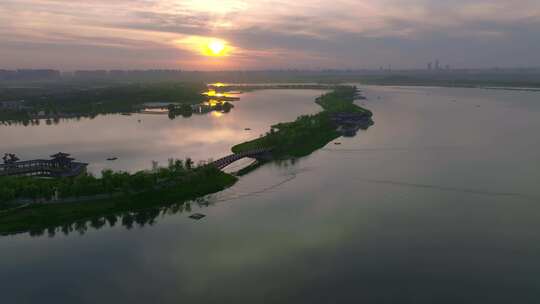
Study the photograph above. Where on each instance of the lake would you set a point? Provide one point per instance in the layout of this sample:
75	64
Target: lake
139	139
435	203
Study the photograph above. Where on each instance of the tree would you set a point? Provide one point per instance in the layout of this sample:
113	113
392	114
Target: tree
189	163
107	181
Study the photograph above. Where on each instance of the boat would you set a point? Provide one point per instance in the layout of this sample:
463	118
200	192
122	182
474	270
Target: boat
197	216
112	158
247	129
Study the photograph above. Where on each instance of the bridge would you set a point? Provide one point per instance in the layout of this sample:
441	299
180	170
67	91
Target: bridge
262	153
61	165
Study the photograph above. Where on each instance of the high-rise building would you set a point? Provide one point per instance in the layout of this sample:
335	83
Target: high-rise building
437	65
430	66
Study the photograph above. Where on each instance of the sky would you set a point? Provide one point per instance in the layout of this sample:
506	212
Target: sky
263	34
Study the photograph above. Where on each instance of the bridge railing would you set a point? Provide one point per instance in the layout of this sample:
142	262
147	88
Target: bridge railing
224	161
37	165
25	164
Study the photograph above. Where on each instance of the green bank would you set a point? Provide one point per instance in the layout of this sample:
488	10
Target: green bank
51	203
309	133
87	197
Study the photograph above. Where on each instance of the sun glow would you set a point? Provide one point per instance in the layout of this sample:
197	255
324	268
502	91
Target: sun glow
213	93
218	84
216	48
207	46
216	114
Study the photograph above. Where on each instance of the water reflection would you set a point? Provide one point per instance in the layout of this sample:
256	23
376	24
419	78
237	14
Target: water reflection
139	138
216	99
326	235
128	220
46	121
151	216
172	111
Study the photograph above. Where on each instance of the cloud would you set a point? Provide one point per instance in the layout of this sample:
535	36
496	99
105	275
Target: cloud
271	34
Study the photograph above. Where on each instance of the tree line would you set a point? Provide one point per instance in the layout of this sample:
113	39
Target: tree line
46	189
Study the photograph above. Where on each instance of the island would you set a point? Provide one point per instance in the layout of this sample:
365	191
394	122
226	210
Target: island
53	103
31	204
340	116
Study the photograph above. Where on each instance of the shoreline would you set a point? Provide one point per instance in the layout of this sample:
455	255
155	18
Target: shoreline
463	86
307	134
312	132
35	217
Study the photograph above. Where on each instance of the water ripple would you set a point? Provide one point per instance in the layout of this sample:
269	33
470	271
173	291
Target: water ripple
453	189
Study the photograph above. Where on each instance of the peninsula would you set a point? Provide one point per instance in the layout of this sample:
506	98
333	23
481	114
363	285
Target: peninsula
31	204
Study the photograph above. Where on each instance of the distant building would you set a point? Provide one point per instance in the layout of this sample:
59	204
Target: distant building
19	75
14	105
437	65
61	160
96	74
430	66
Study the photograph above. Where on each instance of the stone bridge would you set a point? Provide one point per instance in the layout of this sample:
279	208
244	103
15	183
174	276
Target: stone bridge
262	153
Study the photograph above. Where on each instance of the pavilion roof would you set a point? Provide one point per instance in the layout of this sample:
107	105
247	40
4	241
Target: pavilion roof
59	155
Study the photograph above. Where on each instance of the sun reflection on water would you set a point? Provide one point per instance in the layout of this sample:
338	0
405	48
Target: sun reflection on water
216	114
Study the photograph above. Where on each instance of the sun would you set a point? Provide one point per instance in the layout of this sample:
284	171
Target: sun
216	48
206	46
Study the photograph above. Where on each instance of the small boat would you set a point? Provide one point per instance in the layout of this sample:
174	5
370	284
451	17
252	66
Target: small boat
197	216
337	143
247	129
112	158
126	114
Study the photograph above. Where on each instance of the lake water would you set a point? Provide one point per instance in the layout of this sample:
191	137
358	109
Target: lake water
139	139
438	202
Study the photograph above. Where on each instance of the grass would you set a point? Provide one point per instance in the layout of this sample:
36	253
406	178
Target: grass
307	133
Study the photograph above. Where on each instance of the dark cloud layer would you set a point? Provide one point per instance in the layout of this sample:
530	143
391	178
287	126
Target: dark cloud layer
268	34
